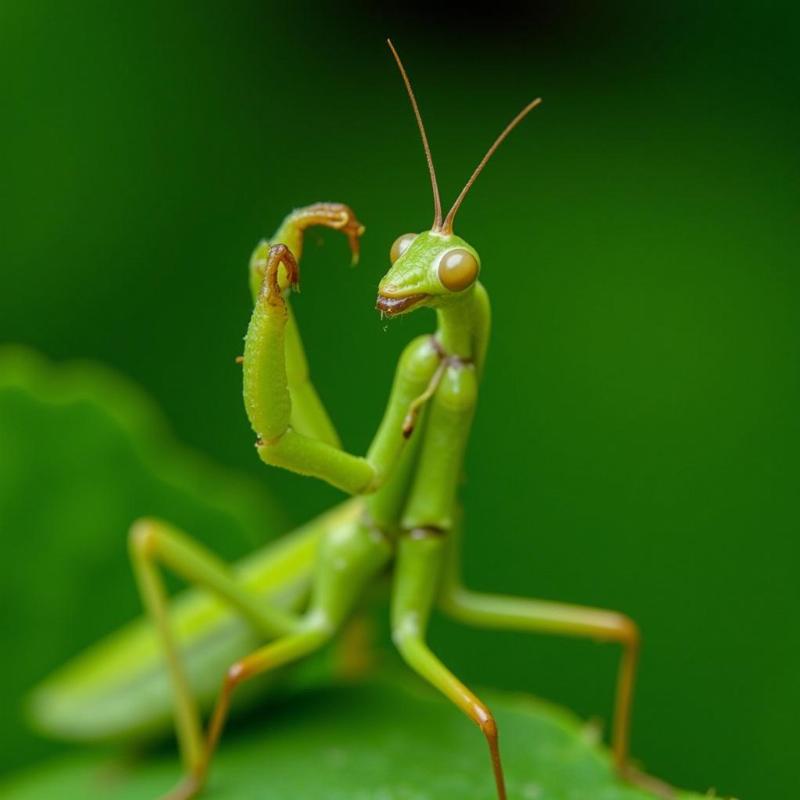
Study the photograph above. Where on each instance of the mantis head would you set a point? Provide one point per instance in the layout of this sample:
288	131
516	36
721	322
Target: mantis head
435	267
430	268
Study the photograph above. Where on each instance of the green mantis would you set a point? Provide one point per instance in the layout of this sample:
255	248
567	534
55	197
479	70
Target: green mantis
289	600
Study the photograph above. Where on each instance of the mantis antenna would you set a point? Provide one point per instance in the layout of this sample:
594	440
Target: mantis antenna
447	226
437	203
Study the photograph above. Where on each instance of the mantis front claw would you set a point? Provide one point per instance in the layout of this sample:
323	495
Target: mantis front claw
270	286
338	216
353	230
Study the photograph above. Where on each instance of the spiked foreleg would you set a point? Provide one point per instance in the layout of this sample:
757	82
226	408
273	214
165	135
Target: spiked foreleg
308	415
269	400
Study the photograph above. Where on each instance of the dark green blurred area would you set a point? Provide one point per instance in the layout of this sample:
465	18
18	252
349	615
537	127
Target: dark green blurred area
636	444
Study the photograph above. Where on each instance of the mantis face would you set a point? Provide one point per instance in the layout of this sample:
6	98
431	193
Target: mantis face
428	269
436	267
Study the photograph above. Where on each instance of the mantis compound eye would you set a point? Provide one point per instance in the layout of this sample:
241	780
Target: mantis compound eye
401	244
458	269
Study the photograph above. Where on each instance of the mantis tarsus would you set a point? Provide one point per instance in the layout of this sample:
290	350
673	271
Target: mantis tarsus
296	595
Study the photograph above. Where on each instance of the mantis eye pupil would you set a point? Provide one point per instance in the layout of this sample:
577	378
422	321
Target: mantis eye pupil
458	269
401	244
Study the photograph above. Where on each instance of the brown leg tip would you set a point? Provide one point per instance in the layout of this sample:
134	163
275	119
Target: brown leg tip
636	777
187	789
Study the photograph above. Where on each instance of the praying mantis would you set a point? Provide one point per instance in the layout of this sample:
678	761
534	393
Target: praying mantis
288	600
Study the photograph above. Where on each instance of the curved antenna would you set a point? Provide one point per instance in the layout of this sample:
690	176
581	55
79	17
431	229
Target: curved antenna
447	227
437	203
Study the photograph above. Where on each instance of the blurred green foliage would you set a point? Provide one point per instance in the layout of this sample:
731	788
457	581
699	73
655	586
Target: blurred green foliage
377	742
636	443
83	454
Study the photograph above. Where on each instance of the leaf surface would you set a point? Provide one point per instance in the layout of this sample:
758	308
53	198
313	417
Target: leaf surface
368	742
83	452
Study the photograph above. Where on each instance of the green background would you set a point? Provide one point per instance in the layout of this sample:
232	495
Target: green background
637	438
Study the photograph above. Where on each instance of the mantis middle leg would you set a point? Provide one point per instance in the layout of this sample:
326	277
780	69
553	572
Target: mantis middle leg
417	576
427	519
541	616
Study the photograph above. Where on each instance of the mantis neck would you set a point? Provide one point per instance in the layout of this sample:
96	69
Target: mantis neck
463	324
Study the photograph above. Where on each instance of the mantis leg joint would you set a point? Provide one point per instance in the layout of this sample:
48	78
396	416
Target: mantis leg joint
143	537
627	632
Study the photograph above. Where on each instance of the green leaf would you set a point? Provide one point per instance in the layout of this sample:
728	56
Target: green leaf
373	742
82	454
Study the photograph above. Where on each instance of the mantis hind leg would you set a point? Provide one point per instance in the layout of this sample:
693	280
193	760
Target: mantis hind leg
153	543
350	556
417	579
541	616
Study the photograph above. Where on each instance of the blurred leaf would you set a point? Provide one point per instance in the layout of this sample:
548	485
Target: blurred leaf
82	454
369	743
